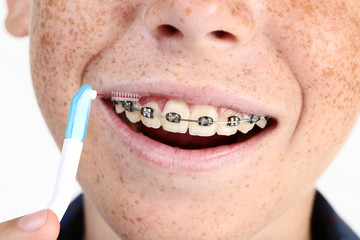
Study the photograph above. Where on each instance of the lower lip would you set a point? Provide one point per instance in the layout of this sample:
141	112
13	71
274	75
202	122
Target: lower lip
184	160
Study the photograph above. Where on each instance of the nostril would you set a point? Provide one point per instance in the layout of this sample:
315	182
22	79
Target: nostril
168	31
222	35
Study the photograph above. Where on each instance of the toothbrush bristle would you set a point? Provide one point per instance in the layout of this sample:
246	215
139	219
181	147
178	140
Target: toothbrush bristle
122	96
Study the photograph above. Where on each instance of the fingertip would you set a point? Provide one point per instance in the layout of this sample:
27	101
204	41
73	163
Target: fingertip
52	215
52	225
33	222
42	225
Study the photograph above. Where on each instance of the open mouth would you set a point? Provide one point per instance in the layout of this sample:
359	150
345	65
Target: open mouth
186	126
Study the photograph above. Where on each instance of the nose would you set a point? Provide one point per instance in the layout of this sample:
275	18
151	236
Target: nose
214	23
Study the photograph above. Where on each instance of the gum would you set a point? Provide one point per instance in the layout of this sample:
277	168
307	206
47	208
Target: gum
162	102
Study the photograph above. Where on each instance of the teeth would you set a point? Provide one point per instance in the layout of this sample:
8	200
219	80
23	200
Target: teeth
152	122
133	116
180	108
223	129
262	122
245	127
202	121
119	108
204	114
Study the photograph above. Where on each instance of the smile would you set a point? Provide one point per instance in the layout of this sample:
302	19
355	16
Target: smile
178	134
177	117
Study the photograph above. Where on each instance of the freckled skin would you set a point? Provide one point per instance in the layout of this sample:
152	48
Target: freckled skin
296	58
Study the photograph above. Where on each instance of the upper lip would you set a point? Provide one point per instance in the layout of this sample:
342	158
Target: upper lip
197	96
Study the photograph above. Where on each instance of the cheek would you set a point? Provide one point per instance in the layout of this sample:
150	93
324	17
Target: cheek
331	87
323	57
321	53
64	37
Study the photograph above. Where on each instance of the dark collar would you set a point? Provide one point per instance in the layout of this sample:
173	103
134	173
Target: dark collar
325	223
72	224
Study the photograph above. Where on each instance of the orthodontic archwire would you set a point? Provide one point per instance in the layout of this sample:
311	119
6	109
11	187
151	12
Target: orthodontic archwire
130	104
76	131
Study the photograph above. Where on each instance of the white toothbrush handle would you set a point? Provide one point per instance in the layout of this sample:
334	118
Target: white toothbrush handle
66	176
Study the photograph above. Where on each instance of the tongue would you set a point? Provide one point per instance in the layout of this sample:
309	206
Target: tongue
187	141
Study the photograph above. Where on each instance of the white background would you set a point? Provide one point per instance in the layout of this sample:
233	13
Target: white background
29	157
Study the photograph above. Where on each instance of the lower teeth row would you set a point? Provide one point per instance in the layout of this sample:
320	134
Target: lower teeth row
204	121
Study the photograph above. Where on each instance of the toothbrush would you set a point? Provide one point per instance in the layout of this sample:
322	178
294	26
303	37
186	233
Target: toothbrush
73	143
71	150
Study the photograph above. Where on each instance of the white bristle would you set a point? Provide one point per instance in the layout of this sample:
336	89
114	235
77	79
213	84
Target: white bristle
121	96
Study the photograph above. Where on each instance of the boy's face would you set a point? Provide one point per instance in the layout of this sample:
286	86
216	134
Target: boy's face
296	61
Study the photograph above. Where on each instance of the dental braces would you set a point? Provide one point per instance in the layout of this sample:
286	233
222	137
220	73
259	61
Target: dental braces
204	121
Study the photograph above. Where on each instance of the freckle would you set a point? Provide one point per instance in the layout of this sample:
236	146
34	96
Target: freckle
125	218
138	219
97	178
125	236
188	11
121	179
71	21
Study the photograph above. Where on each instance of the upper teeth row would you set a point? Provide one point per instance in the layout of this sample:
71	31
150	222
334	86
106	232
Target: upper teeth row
203	121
